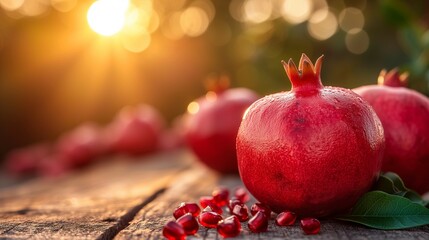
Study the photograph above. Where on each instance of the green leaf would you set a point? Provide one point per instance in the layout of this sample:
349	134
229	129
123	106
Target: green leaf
381	210
385	184
391	183
396	180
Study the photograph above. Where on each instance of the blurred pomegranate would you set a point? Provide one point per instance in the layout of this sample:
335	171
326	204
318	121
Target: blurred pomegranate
213	122
25	161
404	114
80	147
54	165
174	137
135	131
313	150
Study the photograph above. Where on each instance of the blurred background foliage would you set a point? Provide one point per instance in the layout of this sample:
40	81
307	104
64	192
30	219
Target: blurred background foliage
62	63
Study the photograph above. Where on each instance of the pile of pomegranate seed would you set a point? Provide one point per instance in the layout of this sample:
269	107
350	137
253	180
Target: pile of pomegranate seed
189	216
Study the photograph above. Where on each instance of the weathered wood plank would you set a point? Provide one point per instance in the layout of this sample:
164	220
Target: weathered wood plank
95	203
101	202
199	181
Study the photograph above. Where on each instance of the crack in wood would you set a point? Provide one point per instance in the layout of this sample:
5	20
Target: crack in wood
22	211
125	220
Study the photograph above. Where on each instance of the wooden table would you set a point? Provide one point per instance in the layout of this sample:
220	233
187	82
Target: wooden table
124	199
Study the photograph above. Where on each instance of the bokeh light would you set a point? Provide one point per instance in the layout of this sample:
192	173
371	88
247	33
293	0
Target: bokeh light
256	11
33	8
236	10
207	6
297	11
322	24
211	96
11	5
193	108
137	43
63	5
194	21
357	41
107	17
171	28
351	18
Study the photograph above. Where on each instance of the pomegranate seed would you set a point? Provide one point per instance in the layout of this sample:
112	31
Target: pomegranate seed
258	223
184	208
310	225
220	196
173	231
286	218
241	211
206	201
209	219
189	224
230	227
241	194
232	202
213	208
261	207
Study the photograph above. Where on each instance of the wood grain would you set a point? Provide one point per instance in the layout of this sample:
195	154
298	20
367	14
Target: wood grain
121	199
91	204
198	181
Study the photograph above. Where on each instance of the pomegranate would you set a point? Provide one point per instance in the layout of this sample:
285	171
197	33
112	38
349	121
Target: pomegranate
258	223
286	219
404	114
241	211
207	201
213	125
189	223
310	226
233	202
81	146
135	131
256	207
25	161
313	150
185	208
229	227
213	208
173	231
209	219
54	165
220	196
241	194
174	137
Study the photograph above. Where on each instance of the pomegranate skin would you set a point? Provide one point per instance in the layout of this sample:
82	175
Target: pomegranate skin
135	131
404	114
313	150
80	146
212	131
25	161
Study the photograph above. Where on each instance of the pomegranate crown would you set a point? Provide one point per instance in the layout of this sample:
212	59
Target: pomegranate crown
306	75
217	83
392	78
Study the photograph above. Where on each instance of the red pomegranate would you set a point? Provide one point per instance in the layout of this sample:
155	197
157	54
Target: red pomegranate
213	124
80	147
174	137
135	131
25	161
404	114
313	150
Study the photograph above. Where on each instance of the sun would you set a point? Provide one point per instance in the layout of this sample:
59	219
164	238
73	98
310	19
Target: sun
107	17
